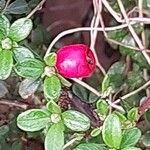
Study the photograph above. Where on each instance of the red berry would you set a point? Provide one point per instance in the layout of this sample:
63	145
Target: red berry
75	61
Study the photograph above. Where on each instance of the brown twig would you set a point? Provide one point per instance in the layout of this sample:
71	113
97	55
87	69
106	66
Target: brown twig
14	104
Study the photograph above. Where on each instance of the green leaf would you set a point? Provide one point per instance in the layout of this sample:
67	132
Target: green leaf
55	138
114	77
52	87
6	62
53	107
4	27
80	91
147	116
102	107
135	55
111	131
33	120
28	87
131	148
133	114
3	89
146	3
29	68
134	80
50	60
90	146
95	132
2	4
121	117
146	139
64	81
20	29
130	137
17	7
17	145
4	130
21	53
76	121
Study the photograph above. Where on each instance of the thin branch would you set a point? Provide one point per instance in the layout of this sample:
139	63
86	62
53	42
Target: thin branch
95	23
86	86
82	29
38	7
112	12
135	36
135	91
14	104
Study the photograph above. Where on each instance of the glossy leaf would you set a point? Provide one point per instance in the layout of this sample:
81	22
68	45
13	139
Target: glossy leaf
17	7
95	132
20	29
131	148
21	53
90	146
133	114
130	137
76	121
2	4
50	60
146	139
54	138
52	87
111	131
29	68
3	89
33	120
114	77
28	87
102	107
6	62
53	107
4	27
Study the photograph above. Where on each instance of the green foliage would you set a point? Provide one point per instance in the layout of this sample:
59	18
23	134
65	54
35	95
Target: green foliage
21	53
114	78
76	121
111	131
33	77
52	87
28	87
29	68
33	120
6	61
54	138
130	137
90	146
20	29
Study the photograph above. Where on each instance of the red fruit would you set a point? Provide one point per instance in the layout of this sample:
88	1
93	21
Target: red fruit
75	61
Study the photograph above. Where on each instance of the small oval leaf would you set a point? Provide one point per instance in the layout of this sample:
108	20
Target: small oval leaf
6	64
21	53
111	131
28	87
4	27
90	146
130	137
33	120
29	68
20	29
76	121
55	138
52	87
